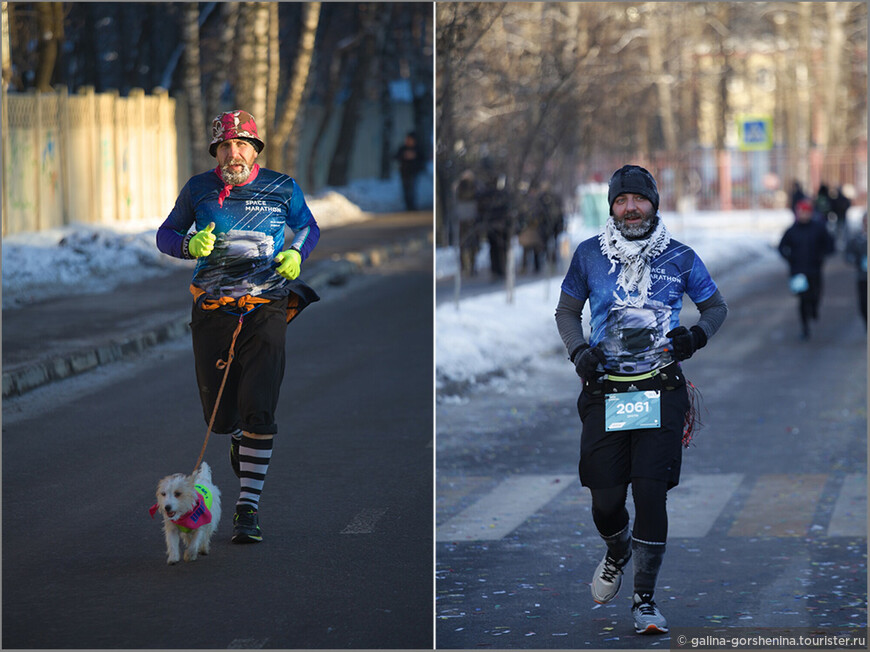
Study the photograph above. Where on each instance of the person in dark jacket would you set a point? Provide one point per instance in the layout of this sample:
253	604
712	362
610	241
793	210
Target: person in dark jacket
804	246
493	205
410	164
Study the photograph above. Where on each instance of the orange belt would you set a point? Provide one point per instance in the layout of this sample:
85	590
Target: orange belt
245	302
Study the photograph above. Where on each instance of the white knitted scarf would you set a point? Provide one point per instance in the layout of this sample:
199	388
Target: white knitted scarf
635	256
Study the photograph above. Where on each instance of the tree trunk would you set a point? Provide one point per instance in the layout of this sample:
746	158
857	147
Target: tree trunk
387	53
7	53
244	59
422	93
336	67
834	49
193	87
49	16
802	75
260	74
298	80
340	164
725	72
655	43
274	72
229	21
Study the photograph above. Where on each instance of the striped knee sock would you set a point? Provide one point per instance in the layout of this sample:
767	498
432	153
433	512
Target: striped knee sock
254	456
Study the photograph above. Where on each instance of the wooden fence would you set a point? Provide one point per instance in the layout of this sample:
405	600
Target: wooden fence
88	158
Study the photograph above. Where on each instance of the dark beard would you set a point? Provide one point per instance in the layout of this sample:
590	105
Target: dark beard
640	231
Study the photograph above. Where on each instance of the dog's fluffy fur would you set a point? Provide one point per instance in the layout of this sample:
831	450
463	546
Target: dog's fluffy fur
176	496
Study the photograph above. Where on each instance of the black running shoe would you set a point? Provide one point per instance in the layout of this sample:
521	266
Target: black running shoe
234	455
246	529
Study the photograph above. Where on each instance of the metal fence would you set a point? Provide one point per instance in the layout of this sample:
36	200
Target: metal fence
87	158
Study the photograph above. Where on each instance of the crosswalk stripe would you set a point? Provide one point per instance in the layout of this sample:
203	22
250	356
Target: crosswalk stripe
452	491
780	505
850	511
502	510
695	504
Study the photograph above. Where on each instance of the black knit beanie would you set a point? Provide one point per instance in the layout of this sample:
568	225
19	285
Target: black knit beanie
633	179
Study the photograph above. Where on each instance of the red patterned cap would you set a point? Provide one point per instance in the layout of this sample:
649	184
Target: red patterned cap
234	124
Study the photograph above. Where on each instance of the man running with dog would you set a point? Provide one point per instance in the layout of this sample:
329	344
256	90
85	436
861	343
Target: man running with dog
634	405
245	279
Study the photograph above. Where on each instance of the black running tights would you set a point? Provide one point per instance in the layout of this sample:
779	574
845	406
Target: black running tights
651	515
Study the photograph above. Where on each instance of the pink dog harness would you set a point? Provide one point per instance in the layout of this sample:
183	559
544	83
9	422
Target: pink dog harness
198	516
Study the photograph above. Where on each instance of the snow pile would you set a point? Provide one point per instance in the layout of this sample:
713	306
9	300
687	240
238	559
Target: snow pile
78	258
487	335
92	258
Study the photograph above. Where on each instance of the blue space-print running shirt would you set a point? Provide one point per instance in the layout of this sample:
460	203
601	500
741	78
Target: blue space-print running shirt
633	337
249	228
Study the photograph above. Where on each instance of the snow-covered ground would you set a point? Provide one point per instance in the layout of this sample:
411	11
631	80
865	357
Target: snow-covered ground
485	335
91	258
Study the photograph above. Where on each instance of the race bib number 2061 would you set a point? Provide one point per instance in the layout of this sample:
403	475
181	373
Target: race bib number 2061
632	410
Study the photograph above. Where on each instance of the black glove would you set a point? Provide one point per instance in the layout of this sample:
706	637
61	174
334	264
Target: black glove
586	360
686	341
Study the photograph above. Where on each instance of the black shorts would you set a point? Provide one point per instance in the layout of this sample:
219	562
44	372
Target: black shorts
250	396
610	459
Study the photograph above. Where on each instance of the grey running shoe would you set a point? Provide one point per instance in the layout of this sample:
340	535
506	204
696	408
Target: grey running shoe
647	617
608	578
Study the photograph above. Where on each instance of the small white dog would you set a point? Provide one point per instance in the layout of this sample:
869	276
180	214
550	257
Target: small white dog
191	509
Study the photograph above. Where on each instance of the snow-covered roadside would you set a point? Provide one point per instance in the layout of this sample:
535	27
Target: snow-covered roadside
93	258
488	336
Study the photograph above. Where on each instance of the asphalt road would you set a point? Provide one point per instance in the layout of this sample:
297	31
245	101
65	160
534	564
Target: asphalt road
346	560
767	527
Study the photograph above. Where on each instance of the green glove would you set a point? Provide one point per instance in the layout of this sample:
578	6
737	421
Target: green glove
202	242
289	262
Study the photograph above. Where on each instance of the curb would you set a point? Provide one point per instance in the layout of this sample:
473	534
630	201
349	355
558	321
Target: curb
42	372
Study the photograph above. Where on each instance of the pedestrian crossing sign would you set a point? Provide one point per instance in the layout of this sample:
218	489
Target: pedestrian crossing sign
755	132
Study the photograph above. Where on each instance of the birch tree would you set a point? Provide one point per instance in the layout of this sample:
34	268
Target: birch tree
50	21
259	71
274	73
193	87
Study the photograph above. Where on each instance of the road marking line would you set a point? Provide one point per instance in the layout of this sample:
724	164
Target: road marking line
364	522
504	509
780	505
695	504
850	511
453	490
